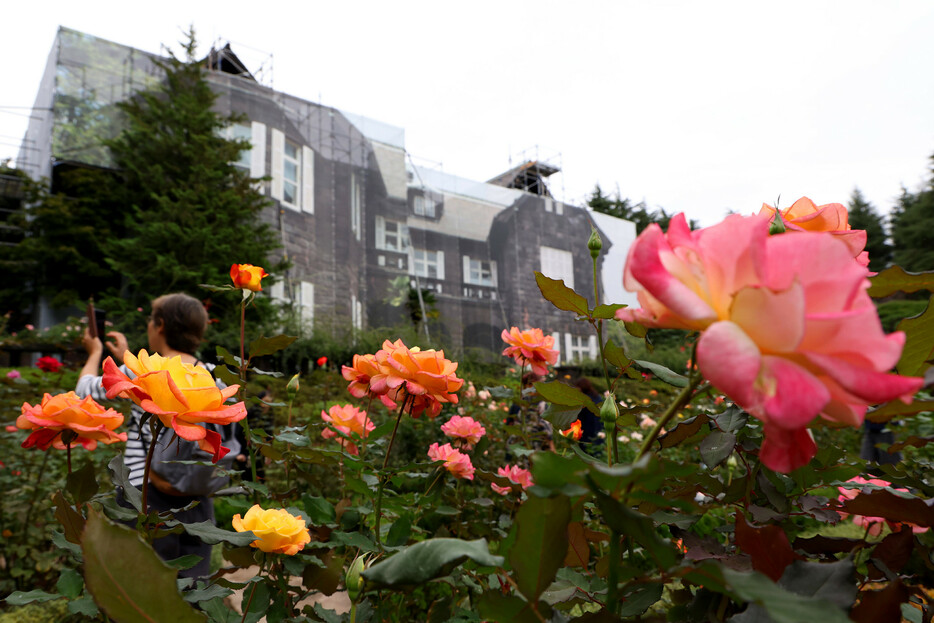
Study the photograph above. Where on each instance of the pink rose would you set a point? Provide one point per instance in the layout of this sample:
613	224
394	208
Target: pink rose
455	461
13	375
516	475
530	347
464	429
788	331
348	420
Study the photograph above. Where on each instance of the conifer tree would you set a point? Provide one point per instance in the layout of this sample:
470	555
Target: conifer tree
912	223
863	215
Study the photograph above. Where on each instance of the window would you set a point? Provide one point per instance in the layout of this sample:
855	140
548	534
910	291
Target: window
428	264
293	174
239	131
558	264
356	312
391	235
425	206
307	304
579	348
479	272
356	201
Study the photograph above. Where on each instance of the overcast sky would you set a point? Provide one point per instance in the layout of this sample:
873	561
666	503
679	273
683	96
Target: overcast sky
697	107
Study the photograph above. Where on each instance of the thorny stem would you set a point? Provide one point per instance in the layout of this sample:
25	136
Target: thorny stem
611	440
68	455
251	452
523	410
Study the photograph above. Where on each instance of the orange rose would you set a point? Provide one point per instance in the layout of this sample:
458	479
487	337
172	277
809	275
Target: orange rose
804	215
396	372
277	531
67	412
181	395
574	432
530	347
247	276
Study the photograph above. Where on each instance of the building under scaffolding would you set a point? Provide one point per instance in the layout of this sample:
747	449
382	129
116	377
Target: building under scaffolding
356	217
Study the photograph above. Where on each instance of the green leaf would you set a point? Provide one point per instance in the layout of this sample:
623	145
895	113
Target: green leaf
207	593
320	511
500	392
211	534
782	605
672	378
82	484
607	312
184	562
20	598
637	600
635	329
427	560
561	296
400	531
560	394
896	408
84	605
559	417
731	420
615	355
625	521
120	475
115	558
226	357
69	583
71	520
919	343
683	431
218	612
227	375
295	439
896	279
263	346
717	447
541	543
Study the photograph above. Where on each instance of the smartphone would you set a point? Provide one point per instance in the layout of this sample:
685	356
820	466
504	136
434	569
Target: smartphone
96	321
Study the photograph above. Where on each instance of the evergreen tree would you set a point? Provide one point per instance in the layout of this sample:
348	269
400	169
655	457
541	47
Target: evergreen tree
623	208
863	215
187	211
912	223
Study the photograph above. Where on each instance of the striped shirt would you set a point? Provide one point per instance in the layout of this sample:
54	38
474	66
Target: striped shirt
137	438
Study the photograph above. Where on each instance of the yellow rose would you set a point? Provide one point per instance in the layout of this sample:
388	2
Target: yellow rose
247	276
180	394
277	531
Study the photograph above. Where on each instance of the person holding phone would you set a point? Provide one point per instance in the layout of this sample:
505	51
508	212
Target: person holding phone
174	329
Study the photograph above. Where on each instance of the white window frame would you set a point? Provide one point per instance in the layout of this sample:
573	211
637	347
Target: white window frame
295	182
422	261
306	301
580	347
237	131
475	269
425	206
356	204
557	264
386	240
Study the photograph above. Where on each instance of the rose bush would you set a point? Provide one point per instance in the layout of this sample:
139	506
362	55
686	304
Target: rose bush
455	461
277	531
181	395
89	421
516	475
788	331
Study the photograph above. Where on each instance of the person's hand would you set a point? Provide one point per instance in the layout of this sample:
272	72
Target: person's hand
92	345
117	345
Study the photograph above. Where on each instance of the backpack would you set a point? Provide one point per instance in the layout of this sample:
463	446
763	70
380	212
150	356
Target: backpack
189	479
